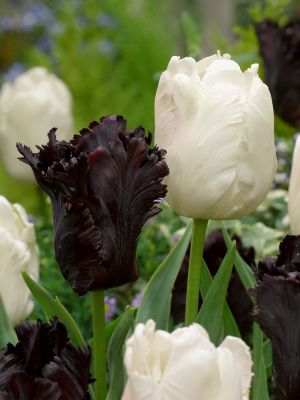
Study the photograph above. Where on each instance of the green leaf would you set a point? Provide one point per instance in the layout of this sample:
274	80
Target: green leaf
268	357
109	328
211	312
7	333
115	355
245	272
53	307
259	385
156	303
230	326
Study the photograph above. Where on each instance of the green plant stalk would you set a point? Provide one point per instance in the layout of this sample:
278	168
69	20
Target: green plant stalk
99	348
193	284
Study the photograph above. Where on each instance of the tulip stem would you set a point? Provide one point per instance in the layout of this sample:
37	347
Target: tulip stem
193	284
99	345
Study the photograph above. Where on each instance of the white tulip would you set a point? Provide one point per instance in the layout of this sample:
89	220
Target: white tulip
294	191
185	365
217	125
29	107
18	252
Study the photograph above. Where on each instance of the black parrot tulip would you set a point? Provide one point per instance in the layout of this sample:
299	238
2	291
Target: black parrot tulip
43	365
104	185
277	296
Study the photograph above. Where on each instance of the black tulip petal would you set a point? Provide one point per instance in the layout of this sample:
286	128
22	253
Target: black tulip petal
24	387
71	372
280	50
277	296
104	185
44	365
278	314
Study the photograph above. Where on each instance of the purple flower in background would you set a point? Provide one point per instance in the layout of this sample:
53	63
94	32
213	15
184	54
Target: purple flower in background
136	301
280	50
277	296
104	185
110	307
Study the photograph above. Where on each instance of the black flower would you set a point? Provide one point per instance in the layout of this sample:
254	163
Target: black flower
237	296
104	185
278	314
280	50
44	365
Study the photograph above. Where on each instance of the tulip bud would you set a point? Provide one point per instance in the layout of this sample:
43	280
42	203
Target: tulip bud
294	191
34	103
18	252
185	365
217	125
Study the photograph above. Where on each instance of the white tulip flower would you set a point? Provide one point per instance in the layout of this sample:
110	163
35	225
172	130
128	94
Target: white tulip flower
217	125
294	191
29	107
18	252
185	365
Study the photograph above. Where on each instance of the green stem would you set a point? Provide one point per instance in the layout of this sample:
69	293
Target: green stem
99	345
193	284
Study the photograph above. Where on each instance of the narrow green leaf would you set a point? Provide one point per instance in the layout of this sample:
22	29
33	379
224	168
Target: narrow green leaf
156	303
115	355
7	333
259	385
230	326
211	313
53	307
109	328
245	272
268	357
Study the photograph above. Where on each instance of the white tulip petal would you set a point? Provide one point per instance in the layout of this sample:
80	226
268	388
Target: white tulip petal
217	126
192	368
18	252
29	107
294	191
242	360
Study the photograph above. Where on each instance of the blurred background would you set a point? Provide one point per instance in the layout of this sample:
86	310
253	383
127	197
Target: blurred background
110	54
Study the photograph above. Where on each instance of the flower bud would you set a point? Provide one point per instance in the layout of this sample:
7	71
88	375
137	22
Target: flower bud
18	252
294	191
185	365
34	103
217	125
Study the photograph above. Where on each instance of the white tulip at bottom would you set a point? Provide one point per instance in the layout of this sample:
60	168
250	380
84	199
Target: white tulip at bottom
185	365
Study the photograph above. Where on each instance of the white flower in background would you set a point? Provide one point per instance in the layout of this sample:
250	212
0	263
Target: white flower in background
18	252
294	191
29	107
217	125
185	365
